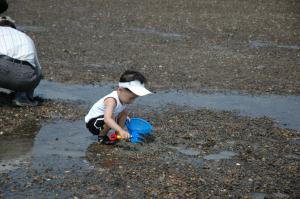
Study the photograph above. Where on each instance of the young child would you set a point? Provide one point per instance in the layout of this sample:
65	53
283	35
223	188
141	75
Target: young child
110	112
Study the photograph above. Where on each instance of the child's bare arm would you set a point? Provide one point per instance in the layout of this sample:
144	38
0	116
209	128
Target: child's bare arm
122	118
110	104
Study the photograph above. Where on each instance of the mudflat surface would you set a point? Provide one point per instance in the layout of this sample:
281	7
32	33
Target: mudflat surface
242	46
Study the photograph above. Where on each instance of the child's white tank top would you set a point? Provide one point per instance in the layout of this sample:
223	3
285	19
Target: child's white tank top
98	108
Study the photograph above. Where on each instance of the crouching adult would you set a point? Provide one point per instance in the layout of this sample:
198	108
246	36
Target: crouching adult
20	70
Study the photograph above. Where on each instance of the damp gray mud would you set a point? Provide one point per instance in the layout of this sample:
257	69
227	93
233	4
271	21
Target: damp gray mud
283	109
64	153
59	146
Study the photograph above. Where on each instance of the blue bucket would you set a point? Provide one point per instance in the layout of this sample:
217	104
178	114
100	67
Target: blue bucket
138	126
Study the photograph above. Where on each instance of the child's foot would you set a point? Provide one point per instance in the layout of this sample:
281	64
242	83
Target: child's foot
105	140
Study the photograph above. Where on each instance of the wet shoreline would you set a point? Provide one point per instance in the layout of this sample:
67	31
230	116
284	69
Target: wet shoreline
284	109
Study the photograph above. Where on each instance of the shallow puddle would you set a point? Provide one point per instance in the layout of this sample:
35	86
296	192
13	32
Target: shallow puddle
258	195
254	44
60	145
13	152
220	156
189	152
284	109
152	31
27	28
265	44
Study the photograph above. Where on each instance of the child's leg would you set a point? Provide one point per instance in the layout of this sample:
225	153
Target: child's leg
96	125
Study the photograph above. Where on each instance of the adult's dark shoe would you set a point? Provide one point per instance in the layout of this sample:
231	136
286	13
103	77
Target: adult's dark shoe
25	103
21	99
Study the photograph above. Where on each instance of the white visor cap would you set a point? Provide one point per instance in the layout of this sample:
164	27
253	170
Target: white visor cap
136	87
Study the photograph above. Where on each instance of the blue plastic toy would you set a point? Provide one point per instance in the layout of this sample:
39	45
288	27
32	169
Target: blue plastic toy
138	129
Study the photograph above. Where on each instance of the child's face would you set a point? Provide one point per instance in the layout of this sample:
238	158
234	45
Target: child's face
126	97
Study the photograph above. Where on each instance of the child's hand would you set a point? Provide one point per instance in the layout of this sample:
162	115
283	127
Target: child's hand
124	134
